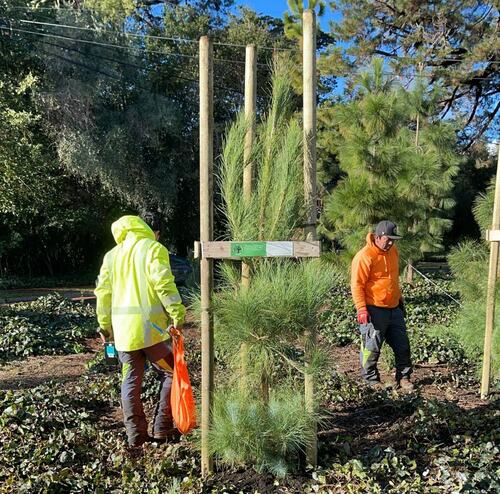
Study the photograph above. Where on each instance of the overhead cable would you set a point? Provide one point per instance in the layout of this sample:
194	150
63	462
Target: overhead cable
133	65
152	36
181	55
123	47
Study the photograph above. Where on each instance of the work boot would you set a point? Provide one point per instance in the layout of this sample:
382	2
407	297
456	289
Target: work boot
375	385
406	385
172	436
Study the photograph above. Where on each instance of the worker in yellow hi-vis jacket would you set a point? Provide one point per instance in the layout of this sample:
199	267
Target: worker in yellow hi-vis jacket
137	300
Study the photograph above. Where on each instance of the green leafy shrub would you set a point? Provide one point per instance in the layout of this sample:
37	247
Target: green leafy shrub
469	264
51	325
53	441
338	325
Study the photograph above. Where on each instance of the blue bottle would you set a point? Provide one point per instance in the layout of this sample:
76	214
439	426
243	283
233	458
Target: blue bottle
110	354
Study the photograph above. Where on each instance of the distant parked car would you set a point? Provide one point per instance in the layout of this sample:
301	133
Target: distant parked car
181	269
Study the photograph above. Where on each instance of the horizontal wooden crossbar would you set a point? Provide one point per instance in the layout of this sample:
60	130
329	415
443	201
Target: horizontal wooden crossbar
239	250
493	235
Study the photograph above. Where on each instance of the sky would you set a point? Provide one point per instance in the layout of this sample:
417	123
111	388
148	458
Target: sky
276	8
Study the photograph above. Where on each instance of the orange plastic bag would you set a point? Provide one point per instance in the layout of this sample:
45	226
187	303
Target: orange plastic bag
181	397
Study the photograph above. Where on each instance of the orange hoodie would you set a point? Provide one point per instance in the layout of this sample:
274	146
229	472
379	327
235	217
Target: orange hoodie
375	276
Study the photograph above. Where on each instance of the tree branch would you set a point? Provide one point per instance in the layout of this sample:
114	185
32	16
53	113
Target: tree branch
479	91
484	128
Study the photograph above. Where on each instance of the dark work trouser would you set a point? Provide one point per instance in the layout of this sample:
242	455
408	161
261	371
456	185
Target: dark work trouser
389	326
162	360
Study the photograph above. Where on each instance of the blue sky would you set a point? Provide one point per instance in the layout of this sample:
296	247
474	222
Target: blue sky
276	8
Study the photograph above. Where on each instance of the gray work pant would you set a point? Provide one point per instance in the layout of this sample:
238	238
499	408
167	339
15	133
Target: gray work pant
389	326
133	366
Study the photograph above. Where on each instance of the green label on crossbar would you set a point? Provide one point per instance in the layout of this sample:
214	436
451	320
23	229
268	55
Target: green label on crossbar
248	249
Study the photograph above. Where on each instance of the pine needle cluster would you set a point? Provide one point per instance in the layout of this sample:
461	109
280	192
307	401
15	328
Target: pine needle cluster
269	436
271	315
277	203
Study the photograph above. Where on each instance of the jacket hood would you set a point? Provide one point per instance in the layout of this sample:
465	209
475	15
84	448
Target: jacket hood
370	240
120	228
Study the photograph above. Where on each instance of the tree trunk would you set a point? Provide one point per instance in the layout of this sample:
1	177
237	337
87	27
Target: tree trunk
409	271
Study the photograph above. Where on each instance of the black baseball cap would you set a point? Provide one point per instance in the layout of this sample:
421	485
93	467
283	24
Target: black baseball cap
388	229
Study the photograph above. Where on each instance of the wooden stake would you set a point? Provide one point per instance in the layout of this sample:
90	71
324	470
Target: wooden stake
309	102
206	234
250	106
490	297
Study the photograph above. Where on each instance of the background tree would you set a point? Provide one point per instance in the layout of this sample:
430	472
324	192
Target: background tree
453	44
117	104
40	204
385	174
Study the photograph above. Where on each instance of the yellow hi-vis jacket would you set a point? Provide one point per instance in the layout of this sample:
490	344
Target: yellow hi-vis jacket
136	288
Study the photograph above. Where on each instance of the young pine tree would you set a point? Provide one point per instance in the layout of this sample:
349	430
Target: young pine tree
398	163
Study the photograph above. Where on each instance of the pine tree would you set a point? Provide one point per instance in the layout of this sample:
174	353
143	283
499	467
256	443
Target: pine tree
388	173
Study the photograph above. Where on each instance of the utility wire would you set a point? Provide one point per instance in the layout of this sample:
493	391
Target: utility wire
181	55
132	65
190	40
152	36
122	47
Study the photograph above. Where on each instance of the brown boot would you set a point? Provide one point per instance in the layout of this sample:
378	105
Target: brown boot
405	385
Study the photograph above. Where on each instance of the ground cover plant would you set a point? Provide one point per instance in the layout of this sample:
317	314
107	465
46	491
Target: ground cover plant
51	325
68	437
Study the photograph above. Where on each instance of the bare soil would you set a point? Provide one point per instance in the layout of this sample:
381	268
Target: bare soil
430	380
38	370
29	294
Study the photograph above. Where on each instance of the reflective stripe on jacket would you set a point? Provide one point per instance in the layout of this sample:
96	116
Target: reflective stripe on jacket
136	292
375	276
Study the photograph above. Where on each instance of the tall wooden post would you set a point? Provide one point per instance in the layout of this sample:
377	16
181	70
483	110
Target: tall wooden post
250	106
490	297
206	235
309	115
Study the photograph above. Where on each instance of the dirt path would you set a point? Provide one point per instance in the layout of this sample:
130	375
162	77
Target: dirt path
30	294
38	370
431	381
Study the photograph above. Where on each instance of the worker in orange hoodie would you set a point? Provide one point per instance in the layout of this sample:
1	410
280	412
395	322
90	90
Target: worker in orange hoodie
378	300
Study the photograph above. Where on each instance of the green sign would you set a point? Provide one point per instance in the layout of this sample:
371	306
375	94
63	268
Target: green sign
248	249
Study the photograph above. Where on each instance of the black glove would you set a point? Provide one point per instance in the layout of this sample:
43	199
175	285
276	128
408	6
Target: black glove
402	307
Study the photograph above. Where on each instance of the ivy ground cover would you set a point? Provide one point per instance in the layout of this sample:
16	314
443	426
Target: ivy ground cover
68	436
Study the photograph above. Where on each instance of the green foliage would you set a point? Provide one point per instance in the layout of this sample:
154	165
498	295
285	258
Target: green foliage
272	314
469	263
390	171
293	20
51	325
275	207
451	42
267	436
338	324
